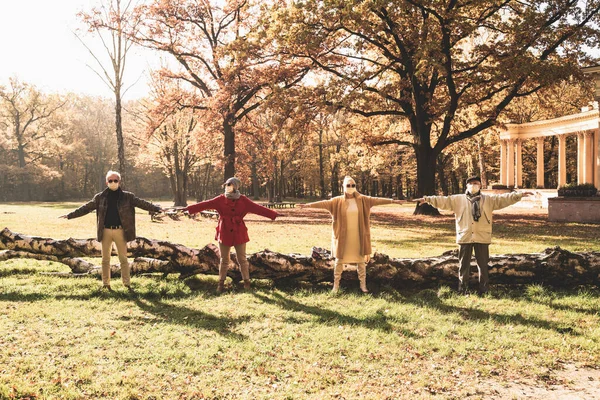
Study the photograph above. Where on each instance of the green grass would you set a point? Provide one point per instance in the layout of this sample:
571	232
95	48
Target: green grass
65	338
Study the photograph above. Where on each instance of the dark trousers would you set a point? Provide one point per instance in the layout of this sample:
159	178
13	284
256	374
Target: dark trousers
482	255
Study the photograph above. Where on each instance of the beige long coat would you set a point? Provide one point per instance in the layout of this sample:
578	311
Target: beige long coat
337	208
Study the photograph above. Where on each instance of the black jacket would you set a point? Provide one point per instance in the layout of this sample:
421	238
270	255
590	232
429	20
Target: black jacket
126	205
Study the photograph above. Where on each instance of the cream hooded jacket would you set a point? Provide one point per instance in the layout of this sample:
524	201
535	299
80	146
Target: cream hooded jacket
467	229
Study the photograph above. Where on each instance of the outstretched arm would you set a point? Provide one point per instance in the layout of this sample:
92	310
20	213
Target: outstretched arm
324	204
504	200
81	211
441	202
375	201
145	205
203	205
260	210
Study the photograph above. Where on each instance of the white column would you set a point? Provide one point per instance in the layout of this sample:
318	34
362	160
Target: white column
562	160
503	162
580	158
588	157
540	163
510	170
519	143
597	158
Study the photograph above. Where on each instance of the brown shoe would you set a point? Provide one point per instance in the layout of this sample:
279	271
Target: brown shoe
247	285
221	287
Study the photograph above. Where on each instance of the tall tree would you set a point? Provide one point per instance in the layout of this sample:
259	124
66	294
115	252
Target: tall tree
25	113
171	137
109	22
26	116
449	67
223	49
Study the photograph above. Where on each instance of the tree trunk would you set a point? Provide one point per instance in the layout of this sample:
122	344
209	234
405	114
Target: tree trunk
399	188
335	174
280	183
426	166
321	166
442	175
120	142
228	149
255	184
482	164
554	266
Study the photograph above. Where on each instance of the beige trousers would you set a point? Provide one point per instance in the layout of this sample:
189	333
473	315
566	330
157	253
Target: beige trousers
361	269
240	252
118	237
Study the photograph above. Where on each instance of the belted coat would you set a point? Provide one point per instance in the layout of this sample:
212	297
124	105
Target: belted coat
231	229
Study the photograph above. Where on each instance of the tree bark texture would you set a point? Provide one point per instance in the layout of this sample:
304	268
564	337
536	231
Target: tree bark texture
553	266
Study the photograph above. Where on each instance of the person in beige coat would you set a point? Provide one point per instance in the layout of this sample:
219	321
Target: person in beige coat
351	233
473	211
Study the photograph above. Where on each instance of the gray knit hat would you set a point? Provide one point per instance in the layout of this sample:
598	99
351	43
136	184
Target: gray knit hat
235	181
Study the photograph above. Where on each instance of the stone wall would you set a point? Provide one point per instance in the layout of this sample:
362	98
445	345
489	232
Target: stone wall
574	209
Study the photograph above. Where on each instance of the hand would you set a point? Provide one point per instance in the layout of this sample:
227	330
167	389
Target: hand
525	194
420	200
301	205
64	216
399	201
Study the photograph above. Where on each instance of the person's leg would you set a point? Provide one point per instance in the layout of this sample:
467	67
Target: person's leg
482	255
223	266
119	239
106	250
464	265
361	269
240	252
338	268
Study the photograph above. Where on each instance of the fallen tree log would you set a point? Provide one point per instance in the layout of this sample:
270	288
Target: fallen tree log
554	266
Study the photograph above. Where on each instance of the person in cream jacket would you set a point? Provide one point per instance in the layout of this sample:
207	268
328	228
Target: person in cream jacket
473	211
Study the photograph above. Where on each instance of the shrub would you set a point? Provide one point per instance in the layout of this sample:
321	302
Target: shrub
577	190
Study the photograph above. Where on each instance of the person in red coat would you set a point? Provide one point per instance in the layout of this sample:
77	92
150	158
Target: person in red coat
231	230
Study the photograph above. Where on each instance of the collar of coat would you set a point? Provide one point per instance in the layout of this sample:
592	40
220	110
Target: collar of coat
106	191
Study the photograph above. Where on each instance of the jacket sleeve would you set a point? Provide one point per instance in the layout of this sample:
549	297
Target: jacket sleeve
324	204
143	204
445	203
84	209
257	209
504	200
376	201
203	205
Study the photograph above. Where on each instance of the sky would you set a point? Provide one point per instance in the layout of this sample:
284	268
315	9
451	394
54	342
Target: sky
38	46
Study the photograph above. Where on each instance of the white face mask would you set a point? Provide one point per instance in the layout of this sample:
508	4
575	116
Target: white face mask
473	189
229	189
113	185
349	190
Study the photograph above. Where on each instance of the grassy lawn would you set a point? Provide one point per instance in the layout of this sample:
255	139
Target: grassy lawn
65	338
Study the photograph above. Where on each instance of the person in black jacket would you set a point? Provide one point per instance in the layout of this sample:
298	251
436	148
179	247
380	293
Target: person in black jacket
115	219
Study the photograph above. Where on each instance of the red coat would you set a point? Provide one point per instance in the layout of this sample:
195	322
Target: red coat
231	229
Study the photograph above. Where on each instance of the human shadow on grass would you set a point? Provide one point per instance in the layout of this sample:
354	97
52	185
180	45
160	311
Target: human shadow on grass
180	315
325	316
6	272
428	299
